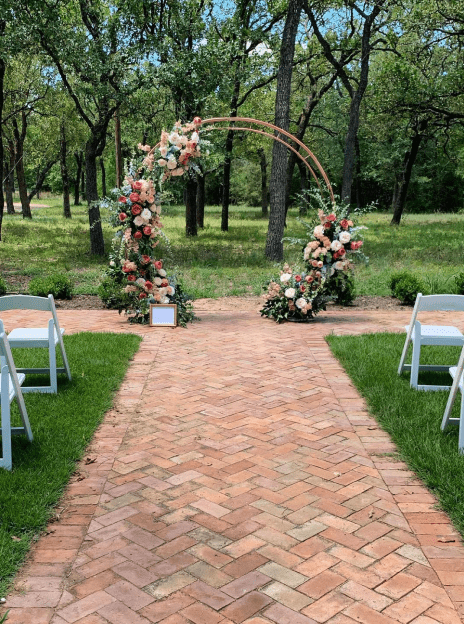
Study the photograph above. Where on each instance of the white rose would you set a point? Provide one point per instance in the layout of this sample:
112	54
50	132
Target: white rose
339	265
146	214
300	303
162	162
162	272
157	281
336	245
285	277
290	293
165	300
195	137
344	237
172	164
319	231
138	221
174	137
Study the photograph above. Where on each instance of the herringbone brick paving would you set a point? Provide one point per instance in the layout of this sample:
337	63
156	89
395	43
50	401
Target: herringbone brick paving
239	478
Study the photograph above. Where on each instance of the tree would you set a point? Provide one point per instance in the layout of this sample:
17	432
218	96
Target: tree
274	246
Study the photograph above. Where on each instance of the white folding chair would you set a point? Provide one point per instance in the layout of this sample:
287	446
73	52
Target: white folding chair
38	338
10	388
438	335
456	374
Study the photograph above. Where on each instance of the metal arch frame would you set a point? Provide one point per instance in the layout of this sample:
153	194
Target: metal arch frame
309	153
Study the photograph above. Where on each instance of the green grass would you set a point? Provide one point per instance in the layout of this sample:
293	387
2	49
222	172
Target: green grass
412	418
219	263
62	425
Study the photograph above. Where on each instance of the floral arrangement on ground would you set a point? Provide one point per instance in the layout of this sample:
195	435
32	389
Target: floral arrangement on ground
301	294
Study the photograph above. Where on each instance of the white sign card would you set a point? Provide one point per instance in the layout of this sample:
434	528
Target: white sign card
163	315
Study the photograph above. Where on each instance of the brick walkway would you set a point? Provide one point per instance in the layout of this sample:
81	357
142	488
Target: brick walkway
239	478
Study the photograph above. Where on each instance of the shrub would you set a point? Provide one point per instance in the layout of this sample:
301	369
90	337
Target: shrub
405	287
459	281
111	293
60	286
341	286
3	289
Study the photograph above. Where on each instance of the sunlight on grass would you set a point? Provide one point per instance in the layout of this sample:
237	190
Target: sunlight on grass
219	263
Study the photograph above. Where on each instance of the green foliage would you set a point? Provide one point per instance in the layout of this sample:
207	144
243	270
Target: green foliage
3	289
411	418
405	286
111	293
342	287
459	280
63	425
60	286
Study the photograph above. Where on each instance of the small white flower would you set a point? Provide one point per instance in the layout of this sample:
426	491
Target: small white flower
319	231
344	237
146	214
285	277
336	245
112	263
290	293
300	303
195	137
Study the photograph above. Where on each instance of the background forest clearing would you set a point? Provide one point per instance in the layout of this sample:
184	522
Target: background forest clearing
216	263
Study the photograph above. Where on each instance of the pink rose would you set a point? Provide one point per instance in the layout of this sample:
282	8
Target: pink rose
148	285
147	230
309	279
136	209
344	224
146	259
197	121
302	288
158	264
331	217
137	185
134	197
297	278
122	216
131	278
142	295
122	199
138	235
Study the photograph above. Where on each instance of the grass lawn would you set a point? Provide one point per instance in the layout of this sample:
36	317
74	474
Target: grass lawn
412	418
62	425
230	263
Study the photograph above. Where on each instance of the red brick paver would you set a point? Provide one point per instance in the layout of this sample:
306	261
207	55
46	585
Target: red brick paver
239	478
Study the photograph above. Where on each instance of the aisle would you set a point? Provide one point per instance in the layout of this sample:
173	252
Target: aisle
239	479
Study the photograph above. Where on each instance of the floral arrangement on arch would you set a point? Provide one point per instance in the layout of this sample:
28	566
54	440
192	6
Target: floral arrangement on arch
298	295
174	154
334	240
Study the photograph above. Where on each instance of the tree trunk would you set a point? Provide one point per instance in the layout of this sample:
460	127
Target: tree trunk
97	244
9	179
226	180
191	207
20	174
41	175
2	77
201	199
263	164
357	180
274	246
405	176
349	157
304	186
118	154
83	187
64	172
77	184
103	177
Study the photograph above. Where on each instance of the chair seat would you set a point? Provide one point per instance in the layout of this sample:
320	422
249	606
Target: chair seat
11	392
30	337
441	334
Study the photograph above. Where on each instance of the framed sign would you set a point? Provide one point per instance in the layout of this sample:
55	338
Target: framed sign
163	315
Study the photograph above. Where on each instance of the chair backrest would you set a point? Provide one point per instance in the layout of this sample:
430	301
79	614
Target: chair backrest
7	358
26	302
447	303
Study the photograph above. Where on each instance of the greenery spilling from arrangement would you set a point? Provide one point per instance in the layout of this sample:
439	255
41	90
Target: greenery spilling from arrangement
412	418
135	278
63	425
328	268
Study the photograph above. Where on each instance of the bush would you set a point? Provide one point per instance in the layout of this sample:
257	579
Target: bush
60	286
459	281
341	286
3	289
111	293
405	286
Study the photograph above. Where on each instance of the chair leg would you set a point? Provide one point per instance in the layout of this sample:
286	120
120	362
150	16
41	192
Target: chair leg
65	360
461	426
416	347
7	461
403	355
52	356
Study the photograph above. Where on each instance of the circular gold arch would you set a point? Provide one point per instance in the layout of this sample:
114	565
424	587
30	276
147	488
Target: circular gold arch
250	120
